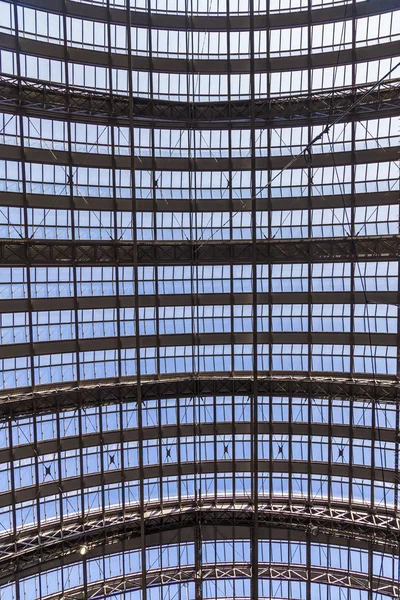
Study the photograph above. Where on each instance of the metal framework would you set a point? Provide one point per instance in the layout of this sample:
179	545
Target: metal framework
44	98
290	385
216	520
199	300
68	252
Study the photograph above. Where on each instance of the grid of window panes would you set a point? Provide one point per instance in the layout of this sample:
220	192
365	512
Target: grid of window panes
94	35
353	464
170	318
99	181
50	31
201	87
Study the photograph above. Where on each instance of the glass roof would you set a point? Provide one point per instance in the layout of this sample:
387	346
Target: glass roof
199	300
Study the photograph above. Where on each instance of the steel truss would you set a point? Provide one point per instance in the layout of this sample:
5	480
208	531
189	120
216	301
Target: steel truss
43	98
230	571
54	252
103	392
54	544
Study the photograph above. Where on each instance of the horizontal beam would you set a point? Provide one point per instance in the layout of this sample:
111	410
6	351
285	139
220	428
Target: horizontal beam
47	99
60	545
216	299
15	252
49	399
114	477
202	338
219	428
213	22
185	163
196	63
176	205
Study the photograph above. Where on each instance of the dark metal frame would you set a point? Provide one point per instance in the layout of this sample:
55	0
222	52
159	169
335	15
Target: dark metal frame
287	384
47	99
31	252
226	520
30	551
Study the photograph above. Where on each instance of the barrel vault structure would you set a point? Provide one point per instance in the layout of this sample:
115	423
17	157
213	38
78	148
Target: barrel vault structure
199	299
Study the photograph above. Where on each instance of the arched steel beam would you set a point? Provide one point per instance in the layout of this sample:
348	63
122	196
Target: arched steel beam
167	576
185	339
219	205
114	477
214	22
14	252
337	524
45	99
210	299
285	428
330	385
197	64
186	163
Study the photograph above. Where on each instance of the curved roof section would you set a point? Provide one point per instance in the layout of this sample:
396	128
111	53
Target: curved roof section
199	300
164	14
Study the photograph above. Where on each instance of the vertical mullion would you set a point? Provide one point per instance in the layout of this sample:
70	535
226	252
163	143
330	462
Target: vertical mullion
36	455
396	461
60	480
269	206
102	470
25	200
136	305
82	487
14	503
254	404
352	298
352	318
309	299
194	272
231	212
397	428
30	317
154	184
111	130
70	187
111	126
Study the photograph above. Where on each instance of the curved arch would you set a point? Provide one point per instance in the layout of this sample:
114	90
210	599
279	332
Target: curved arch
160	525
44	98
102	392
52	252
215	21
237	571
198	64
222	427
